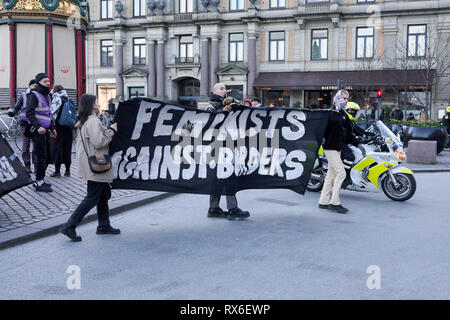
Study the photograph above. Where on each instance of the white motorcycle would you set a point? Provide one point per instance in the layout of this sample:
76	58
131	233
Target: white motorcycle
377	167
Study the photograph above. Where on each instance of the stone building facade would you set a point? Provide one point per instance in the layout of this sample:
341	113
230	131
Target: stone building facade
287	52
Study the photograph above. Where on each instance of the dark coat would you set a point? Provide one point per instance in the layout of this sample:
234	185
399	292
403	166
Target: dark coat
339	132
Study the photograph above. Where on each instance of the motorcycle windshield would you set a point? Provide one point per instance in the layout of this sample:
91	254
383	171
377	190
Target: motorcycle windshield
387	133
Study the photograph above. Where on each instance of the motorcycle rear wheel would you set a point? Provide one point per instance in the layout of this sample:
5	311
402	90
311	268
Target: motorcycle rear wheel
404	192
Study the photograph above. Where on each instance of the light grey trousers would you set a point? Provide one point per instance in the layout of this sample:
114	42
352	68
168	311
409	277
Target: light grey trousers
214	202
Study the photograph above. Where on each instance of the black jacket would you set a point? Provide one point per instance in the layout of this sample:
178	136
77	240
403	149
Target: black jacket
446	121
397	115
32	103
216	102
339	132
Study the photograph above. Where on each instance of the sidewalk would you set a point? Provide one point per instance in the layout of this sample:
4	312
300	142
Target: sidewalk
442	164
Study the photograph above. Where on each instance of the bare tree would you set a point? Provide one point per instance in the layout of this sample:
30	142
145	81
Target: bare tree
430	59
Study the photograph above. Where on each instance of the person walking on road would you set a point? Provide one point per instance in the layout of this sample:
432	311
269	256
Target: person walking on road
94	139
20	108
39	115
337	132
63	143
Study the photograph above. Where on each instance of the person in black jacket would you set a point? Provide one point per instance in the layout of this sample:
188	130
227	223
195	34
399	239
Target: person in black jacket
38	113
216	101
338	133
19	108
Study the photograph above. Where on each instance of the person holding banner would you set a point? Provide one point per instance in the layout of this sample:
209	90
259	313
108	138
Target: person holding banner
20	108
41	127
217	98
92	140
337	132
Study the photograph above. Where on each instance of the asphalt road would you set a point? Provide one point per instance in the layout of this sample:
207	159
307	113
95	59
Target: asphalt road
287	249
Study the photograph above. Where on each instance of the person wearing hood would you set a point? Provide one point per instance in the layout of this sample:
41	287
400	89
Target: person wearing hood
338	133
41	127
62	152
20	108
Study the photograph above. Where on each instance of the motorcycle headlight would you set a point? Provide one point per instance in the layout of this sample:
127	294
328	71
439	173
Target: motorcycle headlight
400	155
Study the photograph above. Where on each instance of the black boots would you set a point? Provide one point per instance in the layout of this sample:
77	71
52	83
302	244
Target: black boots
237	213
216	213
107	230
70	232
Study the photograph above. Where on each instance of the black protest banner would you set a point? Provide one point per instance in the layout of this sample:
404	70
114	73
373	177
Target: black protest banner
172	148
13	174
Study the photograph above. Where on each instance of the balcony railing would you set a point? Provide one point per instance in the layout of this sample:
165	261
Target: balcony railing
317	7
184	60
183	17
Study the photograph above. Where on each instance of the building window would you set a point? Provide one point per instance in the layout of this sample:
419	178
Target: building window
417	40
319	44
136	92
106	50
139	7
316	1
276	47
236	47
186	49
106	11
364	42
186	6
237	5
277	4
139	53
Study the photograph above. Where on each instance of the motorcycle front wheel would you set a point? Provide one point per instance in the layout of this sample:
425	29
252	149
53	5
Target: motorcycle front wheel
405	190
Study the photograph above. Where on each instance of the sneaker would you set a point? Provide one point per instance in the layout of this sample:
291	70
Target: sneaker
43	188
67	174
324	206
70	232
338	208
47	184
55	175
216	213
107	230
237	213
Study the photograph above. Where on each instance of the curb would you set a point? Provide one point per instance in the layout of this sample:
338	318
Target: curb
51	226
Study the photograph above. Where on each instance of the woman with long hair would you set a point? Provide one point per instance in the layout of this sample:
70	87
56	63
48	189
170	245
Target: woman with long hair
92	140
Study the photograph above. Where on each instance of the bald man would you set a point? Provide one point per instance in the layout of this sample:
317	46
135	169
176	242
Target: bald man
216	98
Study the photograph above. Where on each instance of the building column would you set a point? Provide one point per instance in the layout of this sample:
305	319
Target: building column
83	68
204	82
151	80
49	55
161	72
214	61
119	68
79	63
251	65
12	63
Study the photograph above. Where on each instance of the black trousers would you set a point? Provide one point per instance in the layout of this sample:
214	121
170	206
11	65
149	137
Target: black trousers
42	150
98	194
63	147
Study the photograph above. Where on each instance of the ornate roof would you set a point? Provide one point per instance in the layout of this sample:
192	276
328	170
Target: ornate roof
69	10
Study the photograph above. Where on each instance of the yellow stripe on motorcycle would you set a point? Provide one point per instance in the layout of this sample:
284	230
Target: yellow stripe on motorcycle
363	164
320	151
406	170
376	171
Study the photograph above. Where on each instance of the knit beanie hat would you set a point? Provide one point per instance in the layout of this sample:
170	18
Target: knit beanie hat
40	76
32	81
